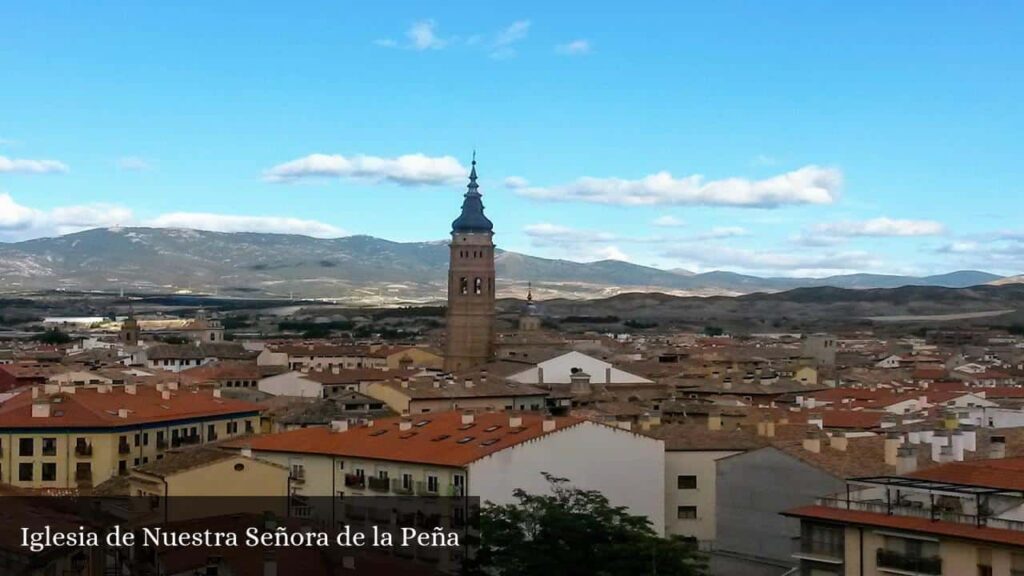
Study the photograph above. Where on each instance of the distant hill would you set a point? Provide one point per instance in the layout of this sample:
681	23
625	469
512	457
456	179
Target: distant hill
358	268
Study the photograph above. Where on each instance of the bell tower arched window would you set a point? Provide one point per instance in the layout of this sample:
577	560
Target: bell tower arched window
464	285
478	285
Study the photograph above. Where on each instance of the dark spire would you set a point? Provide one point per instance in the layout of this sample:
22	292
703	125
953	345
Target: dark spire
472	218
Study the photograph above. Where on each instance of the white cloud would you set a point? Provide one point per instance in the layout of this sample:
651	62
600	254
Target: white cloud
232	223
763	160
24	166
668	222
562	234
14	216
703	256
576	244
19	222
719	232
134	164
503	44
881	226
574	48
807	185
422	36
410	169
514	182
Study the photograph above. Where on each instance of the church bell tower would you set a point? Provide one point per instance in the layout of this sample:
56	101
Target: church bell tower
470	329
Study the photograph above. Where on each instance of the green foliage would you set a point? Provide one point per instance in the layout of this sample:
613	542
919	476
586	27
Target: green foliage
52	336
1016	329
304	326
591	319
173	339
713	331
574	532
640	324
410	312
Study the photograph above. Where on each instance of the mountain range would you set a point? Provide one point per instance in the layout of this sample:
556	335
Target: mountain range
361	269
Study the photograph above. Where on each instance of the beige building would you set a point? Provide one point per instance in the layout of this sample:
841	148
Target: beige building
54	437
471	285
962	518
431	394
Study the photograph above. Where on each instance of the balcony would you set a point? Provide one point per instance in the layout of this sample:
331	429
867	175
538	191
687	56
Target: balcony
298	475
123	448
398	488
424	489
379	484
936	514
83	450
907	563
355	481
191	439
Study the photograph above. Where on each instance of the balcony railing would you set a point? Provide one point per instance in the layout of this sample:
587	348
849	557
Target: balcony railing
355	481
914	564
379	484
123	448
425	489
921	512
399	488
83	450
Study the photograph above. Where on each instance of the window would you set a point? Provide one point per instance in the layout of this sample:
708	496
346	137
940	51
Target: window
49	471
407	481
382	474
25	472
464	285
26	447
433	484
686	482
821	540
686	512
49	446
122	467
478	285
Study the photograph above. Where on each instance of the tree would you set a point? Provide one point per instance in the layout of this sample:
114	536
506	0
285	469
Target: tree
574	532
713	331
52	336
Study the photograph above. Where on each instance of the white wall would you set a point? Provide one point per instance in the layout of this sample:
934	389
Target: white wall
291	384
699	463
559	369
629	469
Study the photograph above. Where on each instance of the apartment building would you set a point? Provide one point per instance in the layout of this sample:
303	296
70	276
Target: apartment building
486	455
961	518
473	391
68	437
321	356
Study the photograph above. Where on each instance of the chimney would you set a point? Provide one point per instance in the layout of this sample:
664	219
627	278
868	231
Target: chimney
812	441
888	421
335	369
945	454
339	425
816	420
130	389
172	385
216	392
246	451
165	394
437	382
469	383
939	439
51	388
956	442
926	436
483	376
970	437
41	408
624	425
515	420
405	424
891	448
714	421
540	375
608	375
906	460
997	447
839	441
810	403
549	423
914	437
35	392
467	417
950	421
769	429
122	412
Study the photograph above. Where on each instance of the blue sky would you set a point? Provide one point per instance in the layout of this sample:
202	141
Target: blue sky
783	138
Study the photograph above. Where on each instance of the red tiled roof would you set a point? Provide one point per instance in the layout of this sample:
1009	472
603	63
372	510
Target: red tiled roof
438	441
909	523
89	408
1004	473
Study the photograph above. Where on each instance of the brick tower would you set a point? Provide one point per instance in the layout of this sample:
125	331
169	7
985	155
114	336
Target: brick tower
470	330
